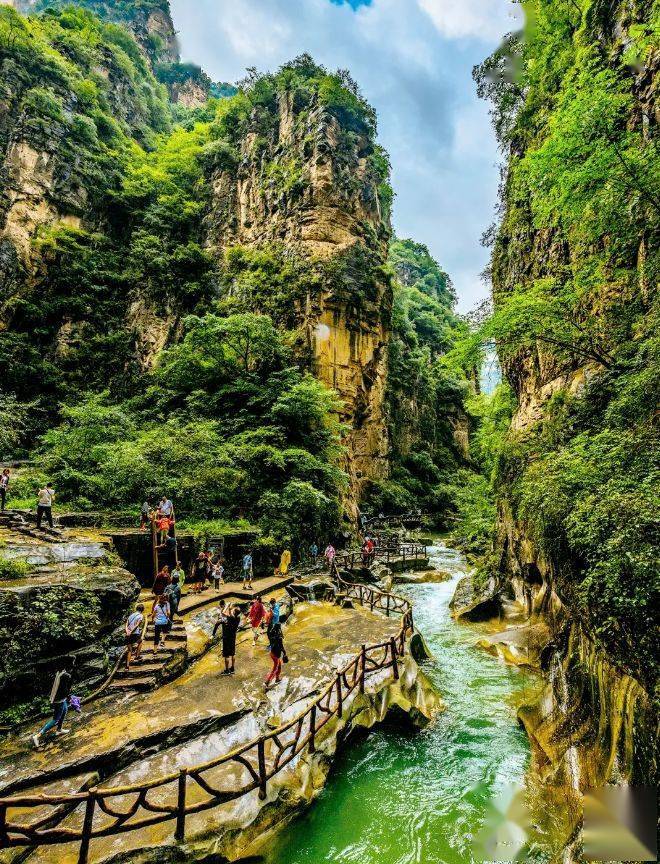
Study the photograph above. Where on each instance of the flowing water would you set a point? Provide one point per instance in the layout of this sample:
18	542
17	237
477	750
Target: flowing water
424	797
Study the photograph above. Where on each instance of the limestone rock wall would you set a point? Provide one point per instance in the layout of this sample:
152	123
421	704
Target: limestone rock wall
312	188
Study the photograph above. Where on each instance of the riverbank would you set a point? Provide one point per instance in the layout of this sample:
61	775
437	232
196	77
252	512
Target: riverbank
424	797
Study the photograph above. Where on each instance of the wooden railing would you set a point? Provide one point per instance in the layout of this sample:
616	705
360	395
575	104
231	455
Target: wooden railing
407	552
404	518
104	812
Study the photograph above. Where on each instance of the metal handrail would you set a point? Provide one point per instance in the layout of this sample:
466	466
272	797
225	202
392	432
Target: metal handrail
262	758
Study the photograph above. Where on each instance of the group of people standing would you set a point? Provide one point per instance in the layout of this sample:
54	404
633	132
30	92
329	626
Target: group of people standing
261	618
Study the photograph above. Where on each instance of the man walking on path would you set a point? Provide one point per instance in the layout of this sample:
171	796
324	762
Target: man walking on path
230	624
4	486
59	699
256	615
314	552
45	499
134	634
173	594
247	570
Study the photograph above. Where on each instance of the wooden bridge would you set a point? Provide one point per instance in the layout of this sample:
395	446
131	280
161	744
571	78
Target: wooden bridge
31	821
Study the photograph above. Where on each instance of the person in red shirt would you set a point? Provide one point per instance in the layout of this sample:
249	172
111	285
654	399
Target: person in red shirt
256	614
161	581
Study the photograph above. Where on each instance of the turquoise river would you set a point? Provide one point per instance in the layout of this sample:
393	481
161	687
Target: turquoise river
425	797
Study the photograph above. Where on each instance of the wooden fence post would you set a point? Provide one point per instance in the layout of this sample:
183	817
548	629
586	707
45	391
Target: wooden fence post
371	599
180	831
312	729
340	700
363	664
88	824
261	756
387	608
395	665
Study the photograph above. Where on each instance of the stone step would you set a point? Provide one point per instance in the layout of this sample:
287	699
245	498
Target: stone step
146	655
145	683
170	637
140	670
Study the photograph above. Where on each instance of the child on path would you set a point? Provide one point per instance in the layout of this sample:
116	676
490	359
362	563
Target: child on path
256	615
134	634
220	611
218	574
59	699
277	655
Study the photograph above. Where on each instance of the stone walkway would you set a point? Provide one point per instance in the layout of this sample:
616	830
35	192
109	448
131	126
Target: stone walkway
115	732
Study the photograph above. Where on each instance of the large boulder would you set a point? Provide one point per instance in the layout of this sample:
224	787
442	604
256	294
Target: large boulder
474	600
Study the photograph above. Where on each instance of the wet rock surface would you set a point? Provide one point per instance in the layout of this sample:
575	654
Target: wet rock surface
204	714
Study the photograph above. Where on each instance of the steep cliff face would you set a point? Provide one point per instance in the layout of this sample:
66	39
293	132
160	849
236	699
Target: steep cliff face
307	182
575	274
150	21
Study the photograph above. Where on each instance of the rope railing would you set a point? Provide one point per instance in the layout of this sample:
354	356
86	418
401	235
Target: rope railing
104	812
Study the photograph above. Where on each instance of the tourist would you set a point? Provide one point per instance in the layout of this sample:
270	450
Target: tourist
161	581
329	555
256	614
272	618
163	528
314	552
230	624
247	569
173	594
179	572
275	611
277	655
200	565
218	574
45	499
145	515
4	486
220	611
285	561
59	699
134	634
165	507
171	548
160	616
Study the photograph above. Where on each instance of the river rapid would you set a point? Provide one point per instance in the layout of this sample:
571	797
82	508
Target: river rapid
425	797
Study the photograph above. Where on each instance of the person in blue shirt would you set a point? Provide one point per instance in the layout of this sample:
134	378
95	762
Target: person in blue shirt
314	552
247	570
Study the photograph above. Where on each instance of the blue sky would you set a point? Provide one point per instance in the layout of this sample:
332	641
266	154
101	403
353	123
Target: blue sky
413	60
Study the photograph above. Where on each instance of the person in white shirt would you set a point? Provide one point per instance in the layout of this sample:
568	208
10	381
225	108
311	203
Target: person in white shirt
45	499
165	507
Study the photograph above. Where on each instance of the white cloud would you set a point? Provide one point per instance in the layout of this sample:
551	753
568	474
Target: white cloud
416	75
479	19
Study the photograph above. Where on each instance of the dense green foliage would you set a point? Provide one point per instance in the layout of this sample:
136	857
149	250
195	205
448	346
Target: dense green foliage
575	269
424	396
